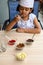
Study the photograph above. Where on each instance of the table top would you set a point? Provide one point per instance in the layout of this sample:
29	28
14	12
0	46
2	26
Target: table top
34	52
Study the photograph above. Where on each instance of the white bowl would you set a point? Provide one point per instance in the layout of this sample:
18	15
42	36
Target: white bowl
20	48
29	41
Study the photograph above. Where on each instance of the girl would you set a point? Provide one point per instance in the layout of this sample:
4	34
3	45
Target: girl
26	21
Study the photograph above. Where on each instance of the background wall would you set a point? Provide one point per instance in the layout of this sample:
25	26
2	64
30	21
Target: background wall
4	14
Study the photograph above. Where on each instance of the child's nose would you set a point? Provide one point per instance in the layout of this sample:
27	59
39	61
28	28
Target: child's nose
23	10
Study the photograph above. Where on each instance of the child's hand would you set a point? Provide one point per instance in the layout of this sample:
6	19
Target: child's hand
20	30
18	18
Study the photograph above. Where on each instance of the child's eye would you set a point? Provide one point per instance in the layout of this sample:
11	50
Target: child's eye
26	9
22	8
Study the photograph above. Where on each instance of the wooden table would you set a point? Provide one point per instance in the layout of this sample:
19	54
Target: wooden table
34	52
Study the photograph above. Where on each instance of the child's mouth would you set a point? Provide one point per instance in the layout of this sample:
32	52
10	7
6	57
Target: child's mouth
22	16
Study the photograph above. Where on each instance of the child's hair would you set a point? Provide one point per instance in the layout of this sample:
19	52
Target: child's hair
19	6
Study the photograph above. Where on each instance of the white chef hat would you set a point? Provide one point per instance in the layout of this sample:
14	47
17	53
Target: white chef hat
27	3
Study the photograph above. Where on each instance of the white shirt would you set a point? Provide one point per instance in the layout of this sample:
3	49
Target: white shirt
27	24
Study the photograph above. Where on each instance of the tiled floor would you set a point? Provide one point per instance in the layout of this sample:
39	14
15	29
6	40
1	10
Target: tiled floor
40	17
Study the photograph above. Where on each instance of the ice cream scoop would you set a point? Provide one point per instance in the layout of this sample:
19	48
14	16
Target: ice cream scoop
21	56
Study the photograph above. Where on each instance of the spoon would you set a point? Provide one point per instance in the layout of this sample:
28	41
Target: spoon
33	36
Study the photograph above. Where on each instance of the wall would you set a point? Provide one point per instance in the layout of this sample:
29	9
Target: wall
3	10
4	13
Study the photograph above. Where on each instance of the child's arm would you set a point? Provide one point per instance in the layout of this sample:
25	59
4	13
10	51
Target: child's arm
34	30
13	22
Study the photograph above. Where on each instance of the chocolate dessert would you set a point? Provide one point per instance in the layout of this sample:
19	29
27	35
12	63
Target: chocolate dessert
30	40
20	46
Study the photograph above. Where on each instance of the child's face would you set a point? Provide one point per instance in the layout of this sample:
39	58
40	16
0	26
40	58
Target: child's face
24	11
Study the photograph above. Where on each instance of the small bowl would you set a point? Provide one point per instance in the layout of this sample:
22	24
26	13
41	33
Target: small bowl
29	41
20	46
11	42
